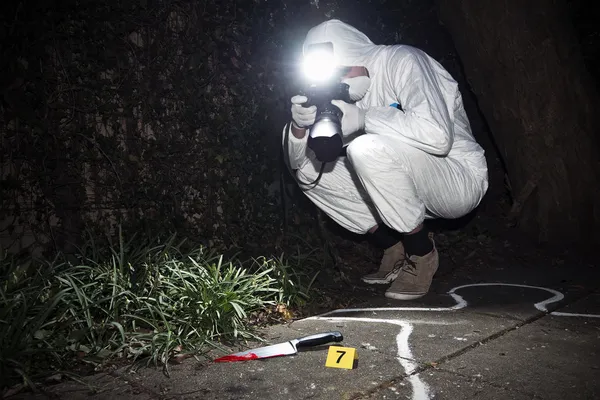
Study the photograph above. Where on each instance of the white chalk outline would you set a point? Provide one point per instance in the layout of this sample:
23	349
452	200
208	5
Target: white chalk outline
461	303
420	389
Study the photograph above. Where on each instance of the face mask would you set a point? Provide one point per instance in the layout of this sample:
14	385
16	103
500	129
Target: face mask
359	85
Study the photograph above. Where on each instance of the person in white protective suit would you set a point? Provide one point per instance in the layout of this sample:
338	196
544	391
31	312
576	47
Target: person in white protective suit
409	154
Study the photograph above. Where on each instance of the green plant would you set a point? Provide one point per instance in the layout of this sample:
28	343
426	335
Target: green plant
28	309
142	301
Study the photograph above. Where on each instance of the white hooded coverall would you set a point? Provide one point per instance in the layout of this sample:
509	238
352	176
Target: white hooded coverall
410	164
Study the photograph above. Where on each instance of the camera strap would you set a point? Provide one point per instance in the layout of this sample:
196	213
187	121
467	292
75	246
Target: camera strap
286	154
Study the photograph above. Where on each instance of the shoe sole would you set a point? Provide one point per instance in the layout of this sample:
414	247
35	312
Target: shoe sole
403	296
381	281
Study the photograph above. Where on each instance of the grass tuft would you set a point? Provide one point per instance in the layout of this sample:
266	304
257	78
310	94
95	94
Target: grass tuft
148	303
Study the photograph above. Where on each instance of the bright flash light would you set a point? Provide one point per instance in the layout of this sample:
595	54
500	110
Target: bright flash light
325	128
319	66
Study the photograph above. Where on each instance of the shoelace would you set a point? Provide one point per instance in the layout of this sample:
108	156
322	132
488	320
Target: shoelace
410	267
397	265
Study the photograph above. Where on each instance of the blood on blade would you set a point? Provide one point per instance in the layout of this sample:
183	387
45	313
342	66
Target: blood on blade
246	357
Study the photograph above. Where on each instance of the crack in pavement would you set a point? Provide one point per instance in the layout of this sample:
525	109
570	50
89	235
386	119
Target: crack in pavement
430	365
419	367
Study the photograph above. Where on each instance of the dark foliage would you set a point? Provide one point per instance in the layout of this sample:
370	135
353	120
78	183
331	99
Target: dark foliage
158	115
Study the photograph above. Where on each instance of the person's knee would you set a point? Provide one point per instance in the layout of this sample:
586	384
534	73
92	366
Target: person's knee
373	150
364	149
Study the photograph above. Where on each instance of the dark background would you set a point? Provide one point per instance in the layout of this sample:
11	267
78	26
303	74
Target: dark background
165	116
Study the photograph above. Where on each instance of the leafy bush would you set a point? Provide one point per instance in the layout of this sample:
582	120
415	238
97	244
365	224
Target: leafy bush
152	303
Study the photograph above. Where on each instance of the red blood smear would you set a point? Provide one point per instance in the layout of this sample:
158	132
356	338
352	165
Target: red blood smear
247	357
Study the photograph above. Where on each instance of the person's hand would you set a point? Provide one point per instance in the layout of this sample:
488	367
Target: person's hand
353	119
303	117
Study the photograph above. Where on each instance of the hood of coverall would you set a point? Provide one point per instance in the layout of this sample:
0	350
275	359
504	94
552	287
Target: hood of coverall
351	47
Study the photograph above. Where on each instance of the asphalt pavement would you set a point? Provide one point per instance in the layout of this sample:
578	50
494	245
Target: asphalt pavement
501	333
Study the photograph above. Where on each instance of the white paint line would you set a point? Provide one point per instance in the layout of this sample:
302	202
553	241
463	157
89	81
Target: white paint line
382	309
405	356
420	389
567	314
542	305
558	296
460	301
383	320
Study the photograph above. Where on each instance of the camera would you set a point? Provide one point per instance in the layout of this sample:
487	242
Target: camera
324	85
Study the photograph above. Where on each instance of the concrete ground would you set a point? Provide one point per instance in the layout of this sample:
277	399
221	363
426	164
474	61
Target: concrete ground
495	334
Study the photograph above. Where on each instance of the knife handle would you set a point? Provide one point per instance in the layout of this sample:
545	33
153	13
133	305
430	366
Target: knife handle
319	338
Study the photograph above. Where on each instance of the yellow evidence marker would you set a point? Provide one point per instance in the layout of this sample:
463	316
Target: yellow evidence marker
341	357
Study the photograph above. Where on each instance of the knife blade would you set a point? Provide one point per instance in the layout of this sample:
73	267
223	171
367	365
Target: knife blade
283	349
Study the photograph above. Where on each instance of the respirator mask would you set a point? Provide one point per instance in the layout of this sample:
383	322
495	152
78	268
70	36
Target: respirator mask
323	83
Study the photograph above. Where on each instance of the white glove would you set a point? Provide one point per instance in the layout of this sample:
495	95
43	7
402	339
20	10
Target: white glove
358	87
353	119
303	117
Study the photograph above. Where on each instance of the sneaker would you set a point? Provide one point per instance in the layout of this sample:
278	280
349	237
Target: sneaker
415	277
389	269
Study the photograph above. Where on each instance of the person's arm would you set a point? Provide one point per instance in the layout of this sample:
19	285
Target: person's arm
425	122
294	145
298	132
295	138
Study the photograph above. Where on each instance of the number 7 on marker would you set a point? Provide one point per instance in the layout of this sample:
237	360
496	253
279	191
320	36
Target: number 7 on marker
341	357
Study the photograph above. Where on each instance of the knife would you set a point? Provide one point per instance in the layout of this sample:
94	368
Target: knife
283	349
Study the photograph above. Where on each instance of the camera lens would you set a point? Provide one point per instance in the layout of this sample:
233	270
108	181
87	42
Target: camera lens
325	137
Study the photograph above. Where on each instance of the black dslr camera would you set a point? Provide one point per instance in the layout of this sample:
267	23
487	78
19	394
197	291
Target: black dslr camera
324	85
